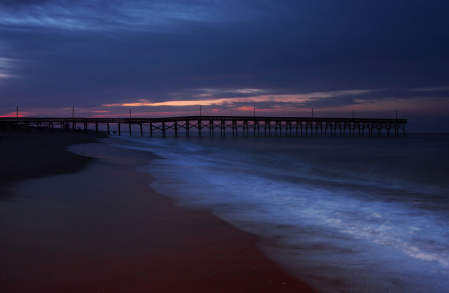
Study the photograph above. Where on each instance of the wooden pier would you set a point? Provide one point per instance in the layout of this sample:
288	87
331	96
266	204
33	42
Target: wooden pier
216	125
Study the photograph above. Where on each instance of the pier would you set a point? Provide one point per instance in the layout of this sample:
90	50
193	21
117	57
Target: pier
223	126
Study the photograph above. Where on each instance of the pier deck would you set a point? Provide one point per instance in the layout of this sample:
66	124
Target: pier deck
208	125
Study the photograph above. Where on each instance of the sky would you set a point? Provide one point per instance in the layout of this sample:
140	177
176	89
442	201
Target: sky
281	57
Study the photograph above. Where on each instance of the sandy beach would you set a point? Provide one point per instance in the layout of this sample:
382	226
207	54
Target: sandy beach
89	222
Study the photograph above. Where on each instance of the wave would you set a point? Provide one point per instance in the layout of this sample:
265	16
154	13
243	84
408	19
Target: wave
322	228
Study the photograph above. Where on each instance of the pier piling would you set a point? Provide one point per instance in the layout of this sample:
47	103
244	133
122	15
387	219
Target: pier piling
346	127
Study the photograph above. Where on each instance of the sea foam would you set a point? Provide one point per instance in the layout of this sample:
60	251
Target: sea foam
338	233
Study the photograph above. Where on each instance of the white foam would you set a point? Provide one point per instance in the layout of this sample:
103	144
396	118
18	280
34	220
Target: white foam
392	240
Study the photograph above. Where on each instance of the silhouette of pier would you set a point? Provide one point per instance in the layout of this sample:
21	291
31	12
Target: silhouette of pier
216	125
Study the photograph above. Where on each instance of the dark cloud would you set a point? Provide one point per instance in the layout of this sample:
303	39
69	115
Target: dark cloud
122	51
21	2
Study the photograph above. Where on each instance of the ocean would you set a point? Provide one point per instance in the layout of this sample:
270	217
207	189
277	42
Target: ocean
345	214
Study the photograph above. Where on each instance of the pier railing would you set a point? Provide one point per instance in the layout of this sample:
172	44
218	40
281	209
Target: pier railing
210	125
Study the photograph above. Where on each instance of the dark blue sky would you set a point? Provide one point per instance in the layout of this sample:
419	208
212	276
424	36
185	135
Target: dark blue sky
282	57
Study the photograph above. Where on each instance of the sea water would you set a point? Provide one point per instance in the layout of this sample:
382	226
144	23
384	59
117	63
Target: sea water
346	214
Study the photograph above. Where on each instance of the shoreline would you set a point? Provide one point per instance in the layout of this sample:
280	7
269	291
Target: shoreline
32	155
106	230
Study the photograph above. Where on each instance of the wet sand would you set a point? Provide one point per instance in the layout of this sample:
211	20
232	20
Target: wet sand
102	229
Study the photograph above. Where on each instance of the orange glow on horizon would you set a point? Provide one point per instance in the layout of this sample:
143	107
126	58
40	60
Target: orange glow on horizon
325	104
170	103
293	98
12	115
245	108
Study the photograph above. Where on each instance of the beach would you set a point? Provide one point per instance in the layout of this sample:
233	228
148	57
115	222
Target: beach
86	220
344	214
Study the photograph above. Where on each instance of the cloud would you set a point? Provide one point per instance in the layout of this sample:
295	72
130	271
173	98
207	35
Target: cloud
238	98
18	3
271	54
431	89
113	15
6	66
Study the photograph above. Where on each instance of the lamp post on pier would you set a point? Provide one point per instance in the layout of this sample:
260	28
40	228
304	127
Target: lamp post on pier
17	117
129	122
73	118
